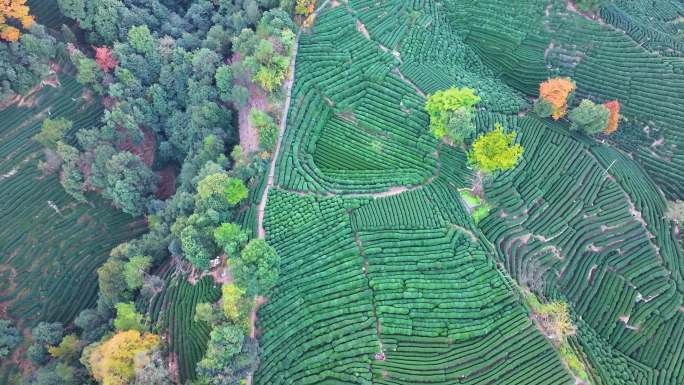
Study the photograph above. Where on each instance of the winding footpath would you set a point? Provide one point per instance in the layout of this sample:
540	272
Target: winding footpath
261	233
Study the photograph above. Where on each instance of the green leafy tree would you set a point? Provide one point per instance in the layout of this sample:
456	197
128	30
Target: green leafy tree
111	281
46	333
495	151
239	96
135	270
141	39
589	117
224	82
204	312
230	356
68	350
196	247
128	182
127	318
52	131
218	191
9	337
257	267
230	237
236	305
451	113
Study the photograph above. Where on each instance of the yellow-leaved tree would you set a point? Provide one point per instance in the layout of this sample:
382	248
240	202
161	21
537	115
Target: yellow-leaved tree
112	361
18	11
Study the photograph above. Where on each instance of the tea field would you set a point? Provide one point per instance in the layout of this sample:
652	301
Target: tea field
385	277
50	246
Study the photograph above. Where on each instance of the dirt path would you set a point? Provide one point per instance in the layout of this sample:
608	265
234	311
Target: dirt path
261	233
281	132
249	136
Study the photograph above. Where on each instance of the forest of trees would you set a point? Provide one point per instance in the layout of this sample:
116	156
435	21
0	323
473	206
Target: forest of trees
172	76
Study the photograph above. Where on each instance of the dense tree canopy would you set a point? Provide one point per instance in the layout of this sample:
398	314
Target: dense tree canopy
230	356
52	131
112	360
589	117
554	96
25	62
9	337
452	113
257	267
495	151
17	10
230	237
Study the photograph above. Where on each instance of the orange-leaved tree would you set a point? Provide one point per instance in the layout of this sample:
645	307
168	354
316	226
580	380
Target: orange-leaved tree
15	10
614	107
554	96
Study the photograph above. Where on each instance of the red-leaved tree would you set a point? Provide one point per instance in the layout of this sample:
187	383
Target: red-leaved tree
105	59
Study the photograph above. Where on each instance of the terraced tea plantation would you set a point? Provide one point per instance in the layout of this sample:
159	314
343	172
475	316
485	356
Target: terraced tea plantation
50	246
385	277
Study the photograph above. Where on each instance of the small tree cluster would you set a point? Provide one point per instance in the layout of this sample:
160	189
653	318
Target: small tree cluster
589	117
452	113
9	337
52	131
595	118
554	96
495	151
112	361
14	10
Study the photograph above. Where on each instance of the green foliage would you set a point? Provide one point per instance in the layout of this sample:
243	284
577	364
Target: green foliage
204	312
543	108
495	151
9	337
267	127
452	113
257	267
141	39
219	191
589	5
471	200
573	361
239	96
127	318
135	270
230	237
224	81
480	213
230	356
236	306
589	117
112	283
24	63
68	350
196	241
47	333
52	131
128	182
